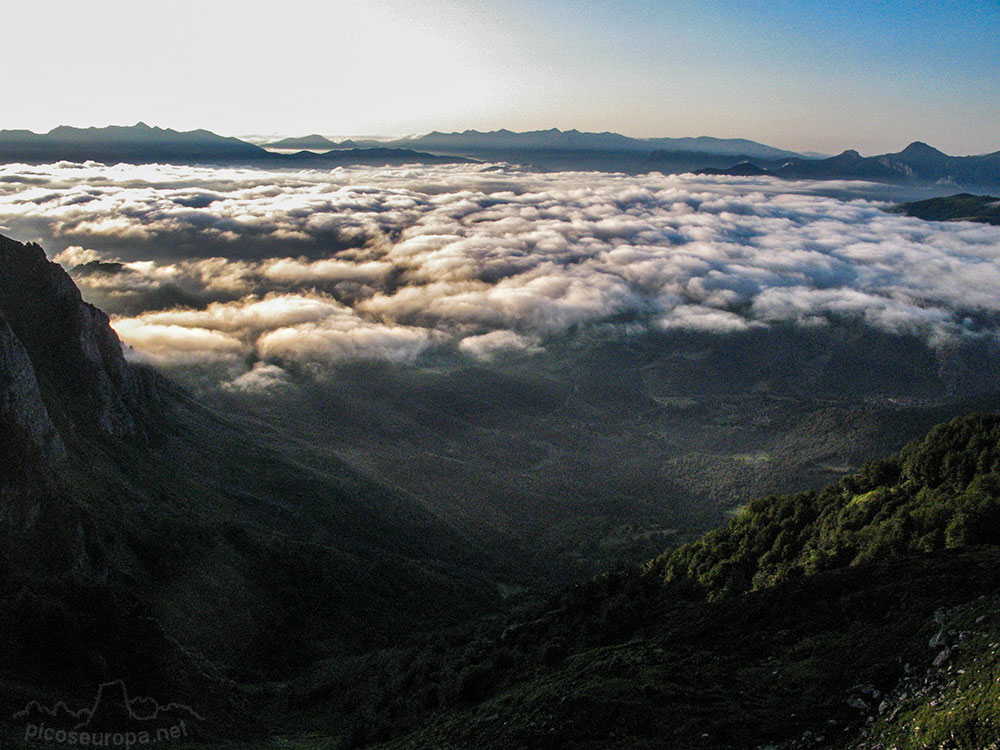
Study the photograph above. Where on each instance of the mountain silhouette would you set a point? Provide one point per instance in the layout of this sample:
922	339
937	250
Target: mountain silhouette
743	169
475	141
143	144
313	141
918	163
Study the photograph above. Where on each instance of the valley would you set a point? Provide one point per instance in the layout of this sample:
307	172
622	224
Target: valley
444	479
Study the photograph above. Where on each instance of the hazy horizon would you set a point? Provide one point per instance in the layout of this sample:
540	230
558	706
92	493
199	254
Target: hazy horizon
263	138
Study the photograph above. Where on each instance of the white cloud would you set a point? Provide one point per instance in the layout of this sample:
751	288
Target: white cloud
170	344
305	329
74	255
319	267
300	271
343	338
249	315
486	346
699	318
262	378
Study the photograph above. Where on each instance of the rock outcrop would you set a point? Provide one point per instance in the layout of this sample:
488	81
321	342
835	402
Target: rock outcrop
61	351
22	409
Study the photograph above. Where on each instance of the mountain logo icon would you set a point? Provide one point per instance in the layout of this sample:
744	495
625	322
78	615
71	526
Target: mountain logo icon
114	718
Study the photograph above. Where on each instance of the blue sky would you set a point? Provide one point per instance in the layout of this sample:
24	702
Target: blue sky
805	75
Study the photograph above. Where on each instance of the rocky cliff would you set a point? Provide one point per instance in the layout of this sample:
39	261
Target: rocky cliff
62	370
64	385
23	416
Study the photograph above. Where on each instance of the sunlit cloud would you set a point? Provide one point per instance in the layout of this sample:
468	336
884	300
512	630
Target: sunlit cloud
308	269
487	346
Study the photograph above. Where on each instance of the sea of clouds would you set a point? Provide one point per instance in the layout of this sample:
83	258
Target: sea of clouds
254	271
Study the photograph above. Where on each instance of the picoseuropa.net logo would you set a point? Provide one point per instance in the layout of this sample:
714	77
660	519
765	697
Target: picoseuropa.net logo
114	720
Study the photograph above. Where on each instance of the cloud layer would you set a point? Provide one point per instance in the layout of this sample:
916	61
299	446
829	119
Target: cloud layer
252	270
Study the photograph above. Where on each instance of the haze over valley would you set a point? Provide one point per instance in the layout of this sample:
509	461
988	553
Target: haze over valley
590	365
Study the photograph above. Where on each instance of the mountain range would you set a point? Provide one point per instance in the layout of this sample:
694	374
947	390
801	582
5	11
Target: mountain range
142	144
475	141
917	164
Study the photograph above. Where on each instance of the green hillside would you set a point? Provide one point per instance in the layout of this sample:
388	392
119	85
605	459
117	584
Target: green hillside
790	627
941	492
960	207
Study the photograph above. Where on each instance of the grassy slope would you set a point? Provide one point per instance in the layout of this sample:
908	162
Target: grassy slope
956	701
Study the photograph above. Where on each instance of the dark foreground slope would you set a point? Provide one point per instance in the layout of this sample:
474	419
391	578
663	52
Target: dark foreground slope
145	537
836	619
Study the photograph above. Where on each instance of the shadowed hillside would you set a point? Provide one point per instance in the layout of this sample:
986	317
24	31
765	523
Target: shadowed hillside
147	537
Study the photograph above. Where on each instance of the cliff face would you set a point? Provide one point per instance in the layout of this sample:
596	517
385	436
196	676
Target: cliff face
22	410
63	382
62	364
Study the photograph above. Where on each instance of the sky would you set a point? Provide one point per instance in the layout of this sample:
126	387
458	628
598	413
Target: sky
823	76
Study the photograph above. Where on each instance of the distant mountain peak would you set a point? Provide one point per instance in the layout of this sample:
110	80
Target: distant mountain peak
743	169
311	141
920	149
499	144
